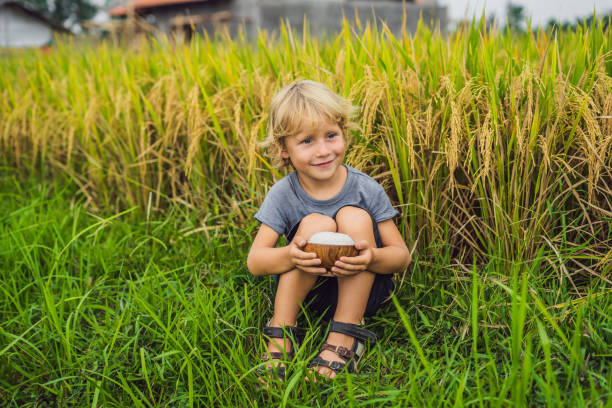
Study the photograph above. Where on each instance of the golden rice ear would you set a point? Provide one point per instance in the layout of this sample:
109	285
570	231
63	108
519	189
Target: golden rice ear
329	254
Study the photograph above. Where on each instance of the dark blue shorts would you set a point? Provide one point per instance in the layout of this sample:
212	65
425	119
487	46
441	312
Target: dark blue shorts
323	297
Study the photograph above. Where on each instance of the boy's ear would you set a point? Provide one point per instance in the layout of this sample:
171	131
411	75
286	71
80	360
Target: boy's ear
284	153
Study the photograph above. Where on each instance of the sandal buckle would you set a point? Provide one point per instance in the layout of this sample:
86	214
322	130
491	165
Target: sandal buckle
336	366
339	350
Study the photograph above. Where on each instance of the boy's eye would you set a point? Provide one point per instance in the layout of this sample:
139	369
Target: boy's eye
305	141
331	135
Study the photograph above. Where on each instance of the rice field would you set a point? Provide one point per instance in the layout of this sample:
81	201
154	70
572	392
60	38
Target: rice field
130	174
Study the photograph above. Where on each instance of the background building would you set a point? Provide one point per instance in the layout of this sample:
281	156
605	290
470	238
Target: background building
324	16
21	26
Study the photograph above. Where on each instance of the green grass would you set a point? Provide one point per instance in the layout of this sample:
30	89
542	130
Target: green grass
133	309
123	272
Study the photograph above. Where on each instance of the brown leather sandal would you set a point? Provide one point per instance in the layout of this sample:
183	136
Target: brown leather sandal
350	356
289	332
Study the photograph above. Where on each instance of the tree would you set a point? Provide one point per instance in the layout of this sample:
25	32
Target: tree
67	13
589	22
515	16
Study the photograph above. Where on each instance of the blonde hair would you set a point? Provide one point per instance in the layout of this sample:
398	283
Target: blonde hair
303	104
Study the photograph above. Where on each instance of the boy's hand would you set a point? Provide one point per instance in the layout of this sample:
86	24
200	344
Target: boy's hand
305	261
352	265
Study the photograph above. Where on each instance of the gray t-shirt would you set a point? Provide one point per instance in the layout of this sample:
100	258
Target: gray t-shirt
286	204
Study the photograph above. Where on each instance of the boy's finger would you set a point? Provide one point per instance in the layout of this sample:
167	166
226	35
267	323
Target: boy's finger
309	262
343	272
349	268
353	260
306	255
314	270
361	245
299	241
345	266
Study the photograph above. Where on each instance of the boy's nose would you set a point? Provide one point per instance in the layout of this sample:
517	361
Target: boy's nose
322	149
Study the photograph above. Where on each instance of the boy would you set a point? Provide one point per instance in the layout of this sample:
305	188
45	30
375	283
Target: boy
308	128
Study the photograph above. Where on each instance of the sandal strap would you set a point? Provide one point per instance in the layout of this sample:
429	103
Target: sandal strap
285	332
265	371
290	332
337	366
279	332
343	352
274	355
353	330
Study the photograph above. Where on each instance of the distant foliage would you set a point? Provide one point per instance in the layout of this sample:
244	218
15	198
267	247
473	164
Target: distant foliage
585	22
516	17
67	13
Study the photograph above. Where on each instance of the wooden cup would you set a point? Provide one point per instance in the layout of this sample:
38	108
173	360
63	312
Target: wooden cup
329	254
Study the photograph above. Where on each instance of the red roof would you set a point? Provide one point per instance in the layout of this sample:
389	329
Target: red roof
140	5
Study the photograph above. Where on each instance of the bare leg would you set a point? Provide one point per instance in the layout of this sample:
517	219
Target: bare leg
293	286
353	291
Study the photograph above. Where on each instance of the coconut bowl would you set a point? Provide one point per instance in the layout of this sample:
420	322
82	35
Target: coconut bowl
330	247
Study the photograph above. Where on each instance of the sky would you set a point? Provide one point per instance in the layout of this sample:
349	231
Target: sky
539	10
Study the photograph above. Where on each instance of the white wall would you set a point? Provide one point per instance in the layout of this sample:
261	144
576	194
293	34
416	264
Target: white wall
19	29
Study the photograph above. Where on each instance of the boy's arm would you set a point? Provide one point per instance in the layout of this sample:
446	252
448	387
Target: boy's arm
264	258
394	256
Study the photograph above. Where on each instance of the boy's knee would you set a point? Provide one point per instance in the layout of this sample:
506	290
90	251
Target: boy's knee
353	219
315	222
290	276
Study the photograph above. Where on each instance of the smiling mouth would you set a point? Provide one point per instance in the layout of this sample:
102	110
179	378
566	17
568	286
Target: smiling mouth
324	163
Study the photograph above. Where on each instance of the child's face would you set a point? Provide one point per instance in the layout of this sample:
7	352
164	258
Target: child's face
317	152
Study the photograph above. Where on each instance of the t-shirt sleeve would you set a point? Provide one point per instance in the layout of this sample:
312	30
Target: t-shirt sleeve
271	211
381	207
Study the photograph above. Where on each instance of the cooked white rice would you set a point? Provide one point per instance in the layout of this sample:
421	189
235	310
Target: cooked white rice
331	238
